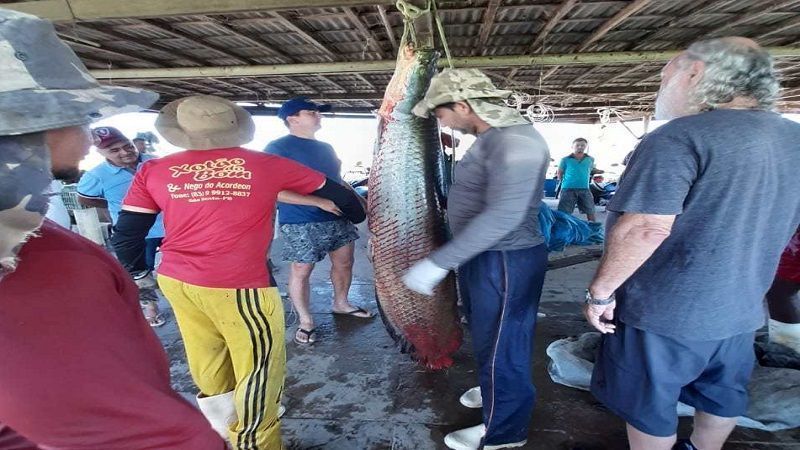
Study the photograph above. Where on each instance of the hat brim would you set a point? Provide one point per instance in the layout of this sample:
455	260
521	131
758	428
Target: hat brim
33	110
167	125
324	108
424	107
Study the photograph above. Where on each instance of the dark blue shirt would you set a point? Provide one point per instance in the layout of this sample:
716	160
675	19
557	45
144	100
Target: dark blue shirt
730	177
316	155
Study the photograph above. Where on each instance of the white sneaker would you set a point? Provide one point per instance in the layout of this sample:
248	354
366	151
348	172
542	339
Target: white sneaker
466	439
472	398
470	439
510	445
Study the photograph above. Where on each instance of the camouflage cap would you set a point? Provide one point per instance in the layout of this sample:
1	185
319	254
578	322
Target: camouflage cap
474	87
45	86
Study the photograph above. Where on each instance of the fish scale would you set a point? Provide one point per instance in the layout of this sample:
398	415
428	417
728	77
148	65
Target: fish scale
406	216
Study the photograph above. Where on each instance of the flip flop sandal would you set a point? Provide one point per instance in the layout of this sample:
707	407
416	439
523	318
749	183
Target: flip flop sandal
355	313
156	321
311	336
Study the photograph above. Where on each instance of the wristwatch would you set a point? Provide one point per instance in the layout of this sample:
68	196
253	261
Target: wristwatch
599	301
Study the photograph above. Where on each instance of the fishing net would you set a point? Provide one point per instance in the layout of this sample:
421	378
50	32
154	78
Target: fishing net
561	229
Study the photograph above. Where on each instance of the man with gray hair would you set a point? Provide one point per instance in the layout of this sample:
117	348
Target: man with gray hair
80	366
688	257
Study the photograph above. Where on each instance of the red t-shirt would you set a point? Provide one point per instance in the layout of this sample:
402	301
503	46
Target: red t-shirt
789	267
80	367
218	208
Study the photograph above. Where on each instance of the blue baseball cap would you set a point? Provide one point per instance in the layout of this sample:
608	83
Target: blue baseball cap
297	104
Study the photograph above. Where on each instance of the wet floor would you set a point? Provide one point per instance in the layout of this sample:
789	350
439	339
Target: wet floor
353	390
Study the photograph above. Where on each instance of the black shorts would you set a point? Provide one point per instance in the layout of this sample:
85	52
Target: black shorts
641	376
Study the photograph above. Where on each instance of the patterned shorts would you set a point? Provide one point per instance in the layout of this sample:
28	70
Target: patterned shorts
311	242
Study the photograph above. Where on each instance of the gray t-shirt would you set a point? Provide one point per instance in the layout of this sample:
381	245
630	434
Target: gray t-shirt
731	178
494	201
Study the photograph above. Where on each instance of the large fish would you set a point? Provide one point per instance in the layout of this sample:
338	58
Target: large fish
406	215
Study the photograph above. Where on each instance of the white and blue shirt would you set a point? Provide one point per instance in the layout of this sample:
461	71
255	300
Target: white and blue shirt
111	183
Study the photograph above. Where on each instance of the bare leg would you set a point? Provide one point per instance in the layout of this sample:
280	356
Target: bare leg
342	276
639	440
300	292
710	432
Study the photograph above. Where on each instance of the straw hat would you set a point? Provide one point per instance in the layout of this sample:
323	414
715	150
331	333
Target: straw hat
205	122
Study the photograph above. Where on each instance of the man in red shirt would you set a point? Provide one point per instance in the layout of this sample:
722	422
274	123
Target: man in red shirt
218	201
81	368
783	298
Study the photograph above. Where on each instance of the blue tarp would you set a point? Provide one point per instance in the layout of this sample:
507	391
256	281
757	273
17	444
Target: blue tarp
561	229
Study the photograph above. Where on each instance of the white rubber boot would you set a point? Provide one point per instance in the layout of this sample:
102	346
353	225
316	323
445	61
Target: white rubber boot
786	334
466	439
220	412
472	398
470	439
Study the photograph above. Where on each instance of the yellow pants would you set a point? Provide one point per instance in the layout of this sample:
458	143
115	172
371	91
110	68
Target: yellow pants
234	340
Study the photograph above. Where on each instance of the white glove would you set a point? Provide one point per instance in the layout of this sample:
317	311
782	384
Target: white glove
423	276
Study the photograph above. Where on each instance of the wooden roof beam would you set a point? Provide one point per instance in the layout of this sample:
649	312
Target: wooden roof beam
92	10
372	41
388	26
618	18
584	75
622	74
94	50
700	9
305	34
779	28
563	10
486	62
759	10
169	29
123	37
255	40
486	26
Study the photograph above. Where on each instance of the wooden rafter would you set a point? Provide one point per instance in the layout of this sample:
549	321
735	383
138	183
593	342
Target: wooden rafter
372	41
93	51
169	29
82	10
296	27
761	9
233	86
618	18
779	28
201	86
366	81
584	75
622	74
123	37
699	9
388	26
486	26
257	41
563	10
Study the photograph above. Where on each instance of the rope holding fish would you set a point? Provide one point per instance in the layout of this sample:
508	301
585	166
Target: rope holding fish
411	13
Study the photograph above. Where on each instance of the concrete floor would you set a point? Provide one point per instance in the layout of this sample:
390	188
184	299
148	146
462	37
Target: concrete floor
353	390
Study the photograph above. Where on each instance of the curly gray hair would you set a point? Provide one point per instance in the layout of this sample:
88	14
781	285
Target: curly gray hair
733	69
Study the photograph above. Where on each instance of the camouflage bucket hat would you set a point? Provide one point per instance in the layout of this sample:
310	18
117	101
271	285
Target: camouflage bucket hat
474	87
45	86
